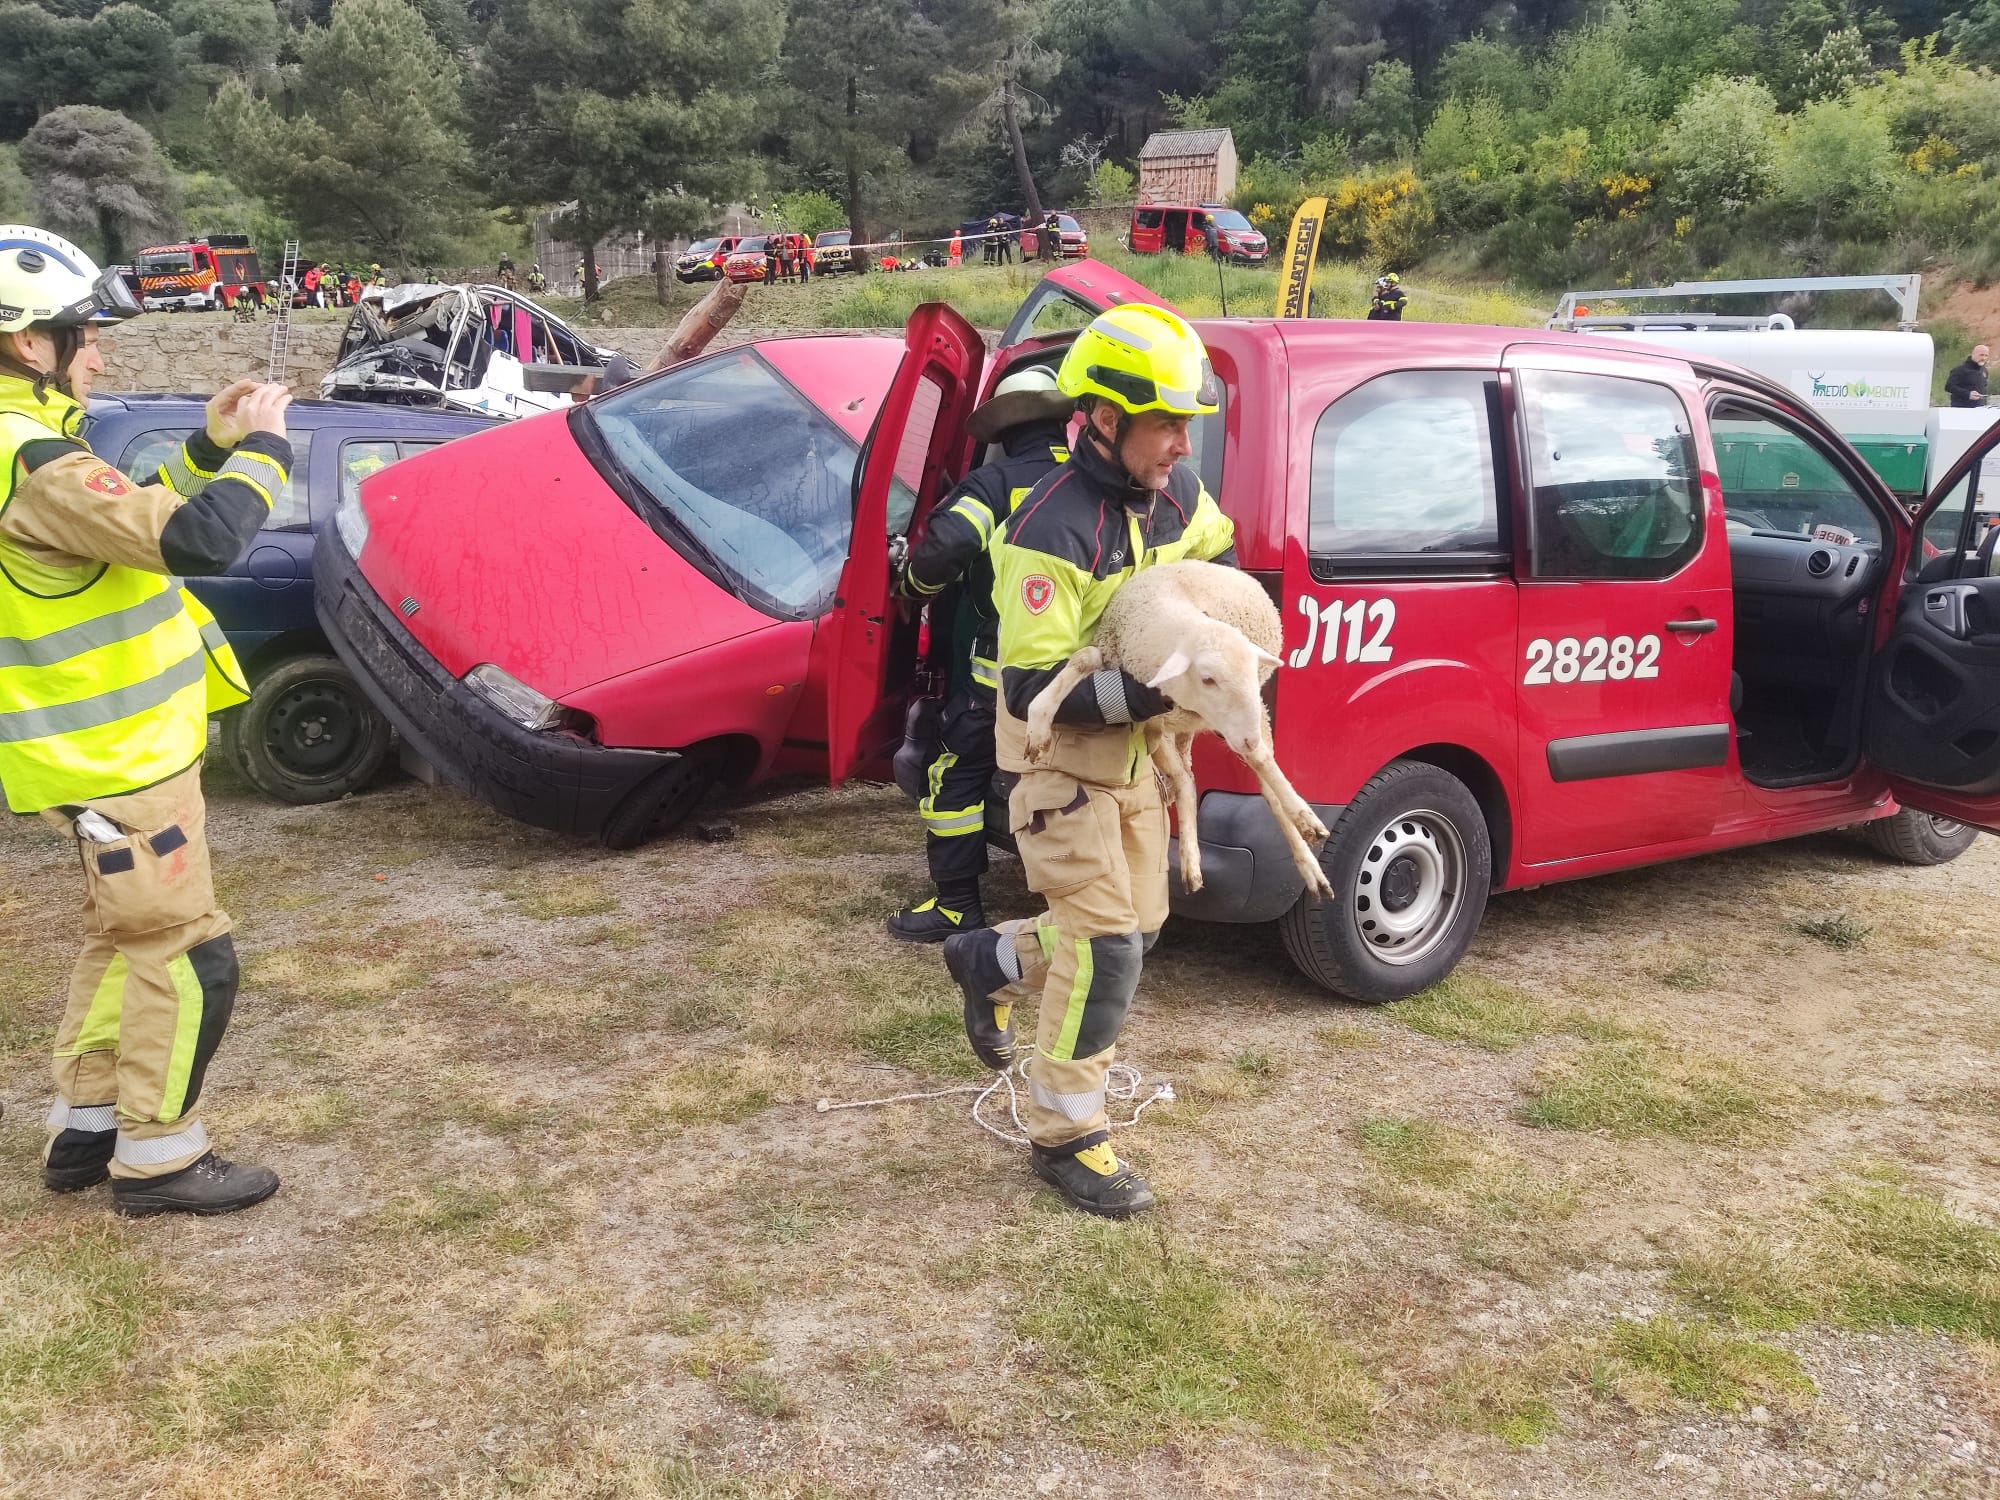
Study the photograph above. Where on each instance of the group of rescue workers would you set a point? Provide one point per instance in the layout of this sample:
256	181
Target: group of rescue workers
109	670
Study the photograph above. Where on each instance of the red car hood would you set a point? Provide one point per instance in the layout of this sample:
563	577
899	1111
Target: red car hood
507	547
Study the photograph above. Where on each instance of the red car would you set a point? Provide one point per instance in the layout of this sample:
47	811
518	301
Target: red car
1531	634
1074	243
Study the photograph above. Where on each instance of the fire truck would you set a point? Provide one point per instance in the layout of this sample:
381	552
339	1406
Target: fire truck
206	274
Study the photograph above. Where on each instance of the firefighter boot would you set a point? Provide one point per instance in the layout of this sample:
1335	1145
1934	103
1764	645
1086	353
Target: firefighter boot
209	1186
1089	1174
952	910
76	1159
974	961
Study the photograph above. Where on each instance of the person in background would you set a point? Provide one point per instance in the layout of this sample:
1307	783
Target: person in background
309	284
1028	418
955	250
1966	384
1389	301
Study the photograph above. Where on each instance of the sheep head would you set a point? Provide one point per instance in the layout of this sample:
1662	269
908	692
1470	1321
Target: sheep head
1219	678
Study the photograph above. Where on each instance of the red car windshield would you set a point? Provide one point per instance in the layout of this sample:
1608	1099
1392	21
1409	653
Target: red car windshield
754	484
1231	220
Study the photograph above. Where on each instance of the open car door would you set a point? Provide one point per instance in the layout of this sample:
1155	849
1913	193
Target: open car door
1071	295
1933	713
918	440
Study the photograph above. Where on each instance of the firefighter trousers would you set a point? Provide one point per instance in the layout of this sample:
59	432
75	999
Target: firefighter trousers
1098	856
153	989
954	806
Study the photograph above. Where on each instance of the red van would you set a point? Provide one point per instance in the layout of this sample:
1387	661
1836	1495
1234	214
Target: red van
1531	634
1177	229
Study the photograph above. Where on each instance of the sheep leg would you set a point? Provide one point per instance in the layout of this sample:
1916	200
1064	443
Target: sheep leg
1171	755
1042	712
1295	820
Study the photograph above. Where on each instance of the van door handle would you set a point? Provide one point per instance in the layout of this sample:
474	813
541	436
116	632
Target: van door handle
1691	627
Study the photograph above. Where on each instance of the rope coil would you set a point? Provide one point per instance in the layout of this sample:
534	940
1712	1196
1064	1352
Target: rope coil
1123	1081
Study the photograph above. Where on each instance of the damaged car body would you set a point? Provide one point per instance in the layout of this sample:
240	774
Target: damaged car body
479	349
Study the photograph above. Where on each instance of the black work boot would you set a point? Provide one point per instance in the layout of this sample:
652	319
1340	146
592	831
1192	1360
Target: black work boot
1093	1178
77	1159
207	1186
974	961
935	920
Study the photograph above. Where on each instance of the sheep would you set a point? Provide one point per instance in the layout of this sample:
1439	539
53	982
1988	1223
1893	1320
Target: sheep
1209	638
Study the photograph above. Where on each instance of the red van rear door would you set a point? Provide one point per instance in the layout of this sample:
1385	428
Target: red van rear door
1626	622
919	438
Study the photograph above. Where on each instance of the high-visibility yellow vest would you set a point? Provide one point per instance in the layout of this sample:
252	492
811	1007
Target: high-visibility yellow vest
107	673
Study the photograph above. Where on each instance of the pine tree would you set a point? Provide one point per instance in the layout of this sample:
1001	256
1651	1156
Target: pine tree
629	114
369	152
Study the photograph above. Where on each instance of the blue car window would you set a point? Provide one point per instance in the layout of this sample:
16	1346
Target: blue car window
289	510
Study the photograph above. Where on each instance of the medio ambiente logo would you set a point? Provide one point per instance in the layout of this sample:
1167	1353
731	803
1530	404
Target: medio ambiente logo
1838	389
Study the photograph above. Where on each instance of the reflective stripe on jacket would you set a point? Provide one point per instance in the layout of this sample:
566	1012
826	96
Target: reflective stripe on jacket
107	670
1071	544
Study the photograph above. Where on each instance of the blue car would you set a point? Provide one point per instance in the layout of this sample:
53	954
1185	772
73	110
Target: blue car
308	733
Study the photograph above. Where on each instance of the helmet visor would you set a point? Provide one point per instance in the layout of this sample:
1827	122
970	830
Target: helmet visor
110	300
1136	393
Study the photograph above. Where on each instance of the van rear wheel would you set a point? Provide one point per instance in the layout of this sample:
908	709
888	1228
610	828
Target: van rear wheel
1918	838
1411	863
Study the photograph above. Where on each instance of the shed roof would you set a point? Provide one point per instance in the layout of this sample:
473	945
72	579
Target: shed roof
1183	143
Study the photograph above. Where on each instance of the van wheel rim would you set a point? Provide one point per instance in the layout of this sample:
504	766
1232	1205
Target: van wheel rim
1946	828
1409	887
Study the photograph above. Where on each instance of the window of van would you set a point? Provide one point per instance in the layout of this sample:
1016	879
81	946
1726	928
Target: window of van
1617	486
1149	218
1403	471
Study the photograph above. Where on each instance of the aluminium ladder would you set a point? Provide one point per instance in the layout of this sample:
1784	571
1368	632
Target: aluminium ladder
281	330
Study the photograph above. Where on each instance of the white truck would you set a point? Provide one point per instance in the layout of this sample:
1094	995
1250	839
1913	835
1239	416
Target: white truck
1874	385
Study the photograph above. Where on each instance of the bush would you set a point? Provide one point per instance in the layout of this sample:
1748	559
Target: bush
1111	183
1722	147
1384	217
807	212
1836	158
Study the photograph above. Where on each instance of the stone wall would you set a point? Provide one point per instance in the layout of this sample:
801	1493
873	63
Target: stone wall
203	352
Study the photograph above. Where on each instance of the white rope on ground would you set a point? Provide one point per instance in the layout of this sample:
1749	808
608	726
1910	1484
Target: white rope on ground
1122	1082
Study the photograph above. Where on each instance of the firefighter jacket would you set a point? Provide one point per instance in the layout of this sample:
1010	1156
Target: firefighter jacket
961	531
1080	533
108	666
1388	307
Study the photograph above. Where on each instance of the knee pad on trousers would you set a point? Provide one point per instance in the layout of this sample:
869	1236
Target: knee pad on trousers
1114	979
214	964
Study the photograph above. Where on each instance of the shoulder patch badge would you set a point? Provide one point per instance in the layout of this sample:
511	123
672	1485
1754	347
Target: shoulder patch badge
1036	592
106	481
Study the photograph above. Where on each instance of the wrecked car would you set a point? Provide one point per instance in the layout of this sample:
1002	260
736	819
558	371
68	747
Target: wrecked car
480	349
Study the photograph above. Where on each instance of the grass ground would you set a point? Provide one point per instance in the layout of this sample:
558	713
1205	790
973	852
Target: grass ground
1659	1196
988	295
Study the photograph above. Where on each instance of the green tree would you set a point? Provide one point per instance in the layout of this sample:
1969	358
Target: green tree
1722	145
1974	34
98	176
1383	123
368	152
1678	43
1111	183
228	36
630	114
1481	67
807	211
1837	160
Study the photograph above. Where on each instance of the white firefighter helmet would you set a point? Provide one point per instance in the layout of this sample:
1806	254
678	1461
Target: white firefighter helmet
46	279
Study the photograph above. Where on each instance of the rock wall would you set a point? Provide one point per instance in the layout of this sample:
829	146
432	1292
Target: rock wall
203	352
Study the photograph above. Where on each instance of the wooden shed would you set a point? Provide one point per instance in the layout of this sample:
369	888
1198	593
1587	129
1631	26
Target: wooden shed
1187	166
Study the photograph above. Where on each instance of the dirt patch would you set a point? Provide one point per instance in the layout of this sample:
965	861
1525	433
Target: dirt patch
1663	1196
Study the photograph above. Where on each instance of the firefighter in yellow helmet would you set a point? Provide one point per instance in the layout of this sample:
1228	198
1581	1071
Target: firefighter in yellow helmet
1088	821
108	671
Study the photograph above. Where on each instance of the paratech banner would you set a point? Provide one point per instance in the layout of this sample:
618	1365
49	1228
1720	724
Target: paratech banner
1301	250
